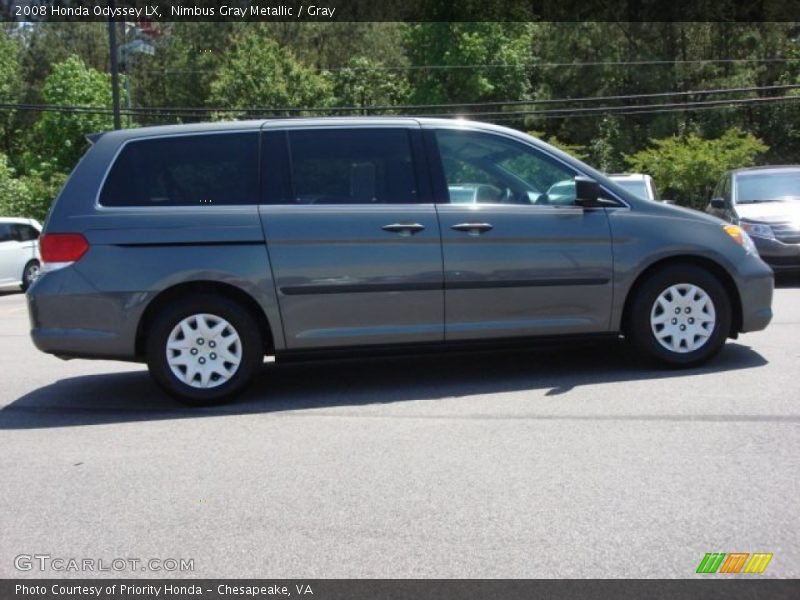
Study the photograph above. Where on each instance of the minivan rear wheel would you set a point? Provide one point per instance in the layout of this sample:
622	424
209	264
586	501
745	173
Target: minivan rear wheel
680	316
203	350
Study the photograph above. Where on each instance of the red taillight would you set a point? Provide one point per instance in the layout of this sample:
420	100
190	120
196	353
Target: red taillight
62	247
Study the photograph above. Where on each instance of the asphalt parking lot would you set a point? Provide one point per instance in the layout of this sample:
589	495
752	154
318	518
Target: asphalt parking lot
567	462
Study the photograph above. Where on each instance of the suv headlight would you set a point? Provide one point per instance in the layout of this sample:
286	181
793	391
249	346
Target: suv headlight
758	229
740	236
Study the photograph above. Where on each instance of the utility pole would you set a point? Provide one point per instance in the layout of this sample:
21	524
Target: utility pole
112	47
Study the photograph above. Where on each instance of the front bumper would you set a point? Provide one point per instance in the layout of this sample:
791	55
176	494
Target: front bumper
755	281
778	255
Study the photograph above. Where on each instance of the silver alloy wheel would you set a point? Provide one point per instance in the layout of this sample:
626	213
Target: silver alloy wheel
683	318
32	273
204	351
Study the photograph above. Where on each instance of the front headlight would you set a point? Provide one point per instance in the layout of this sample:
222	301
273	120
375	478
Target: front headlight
740	236
758	229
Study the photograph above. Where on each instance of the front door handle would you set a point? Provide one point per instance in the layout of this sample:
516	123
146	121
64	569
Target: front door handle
472	228
404	229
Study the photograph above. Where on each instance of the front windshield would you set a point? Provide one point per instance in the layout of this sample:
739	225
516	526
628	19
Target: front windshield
768	187
635	187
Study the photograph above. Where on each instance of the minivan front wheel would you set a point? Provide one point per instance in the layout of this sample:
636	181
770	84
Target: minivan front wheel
204	349
680	316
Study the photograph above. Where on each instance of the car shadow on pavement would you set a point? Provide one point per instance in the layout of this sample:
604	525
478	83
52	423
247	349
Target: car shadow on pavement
787	280
297	386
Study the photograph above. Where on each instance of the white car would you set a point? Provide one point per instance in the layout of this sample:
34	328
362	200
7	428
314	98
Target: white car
19	252
638	183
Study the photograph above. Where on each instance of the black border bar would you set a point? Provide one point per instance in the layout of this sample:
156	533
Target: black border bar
166	11
708	588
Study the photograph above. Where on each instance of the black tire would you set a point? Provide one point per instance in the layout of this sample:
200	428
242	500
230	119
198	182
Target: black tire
249	346
29	274
640	330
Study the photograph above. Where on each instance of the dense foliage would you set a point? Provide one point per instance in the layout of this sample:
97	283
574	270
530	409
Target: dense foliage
623	96
688	167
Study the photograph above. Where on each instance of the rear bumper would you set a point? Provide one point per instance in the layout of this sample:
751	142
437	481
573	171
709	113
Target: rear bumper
82	323
80	343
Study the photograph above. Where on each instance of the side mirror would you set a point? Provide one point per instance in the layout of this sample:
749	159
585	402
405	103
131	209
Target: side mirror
587	191
718	203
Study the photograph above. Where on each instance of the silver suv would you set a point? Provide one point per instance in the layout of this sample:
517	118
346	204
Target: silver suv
202	248
765	202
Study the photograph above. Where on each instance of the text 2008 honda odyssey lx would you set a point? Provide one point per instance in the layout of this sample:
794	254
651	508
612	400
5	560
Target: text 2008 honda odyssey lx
201	248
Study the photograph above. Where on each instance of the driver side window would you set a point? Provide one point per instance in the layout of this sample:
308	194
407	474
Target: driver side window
482	168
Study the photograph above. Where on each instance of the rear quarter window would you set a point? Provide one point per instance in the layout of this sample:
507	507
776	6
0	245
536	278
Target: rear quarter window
26	233
189	170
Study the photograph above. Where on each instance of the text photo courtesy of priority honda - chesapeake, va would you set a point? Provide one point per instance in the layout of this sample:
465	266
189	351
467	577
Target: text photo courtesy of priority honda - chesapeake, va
424	300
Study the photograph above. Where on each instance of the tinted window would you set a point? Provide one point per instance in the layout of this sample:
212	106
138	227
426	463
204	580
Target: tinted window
726	188
488	169
717	193
26	233
352	166
768	187
192	170
5	232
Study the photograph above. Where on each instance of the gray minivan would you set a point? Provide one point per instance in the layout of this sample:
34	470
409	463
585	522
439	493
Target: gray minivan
202	248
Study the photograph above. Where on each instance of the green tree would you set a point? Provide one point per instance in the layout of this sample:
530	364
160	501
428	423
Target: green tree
259	73
11	89
181	69
364	83
687	168
486	61
576	150
28	196
44	45
331	45
15	197
62	135
606	146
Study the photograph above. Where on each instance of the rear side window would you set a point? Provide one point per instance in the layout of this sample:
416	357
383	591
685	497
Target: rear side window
5	233
192	170
352	166
26	233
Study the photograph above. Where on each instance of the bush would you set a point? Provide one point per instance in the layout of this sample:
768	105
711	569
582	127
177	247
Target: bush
687	168
29	196
61	135
15	196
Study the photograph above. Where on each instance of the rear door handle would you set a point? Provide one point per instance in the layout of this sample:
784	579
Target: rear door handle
472	228
404	229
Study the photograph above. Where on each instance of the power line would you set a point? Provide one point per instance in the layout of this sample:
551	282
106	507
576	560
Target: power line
642	111
200	111
633	108
544	101
605	63
629	109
